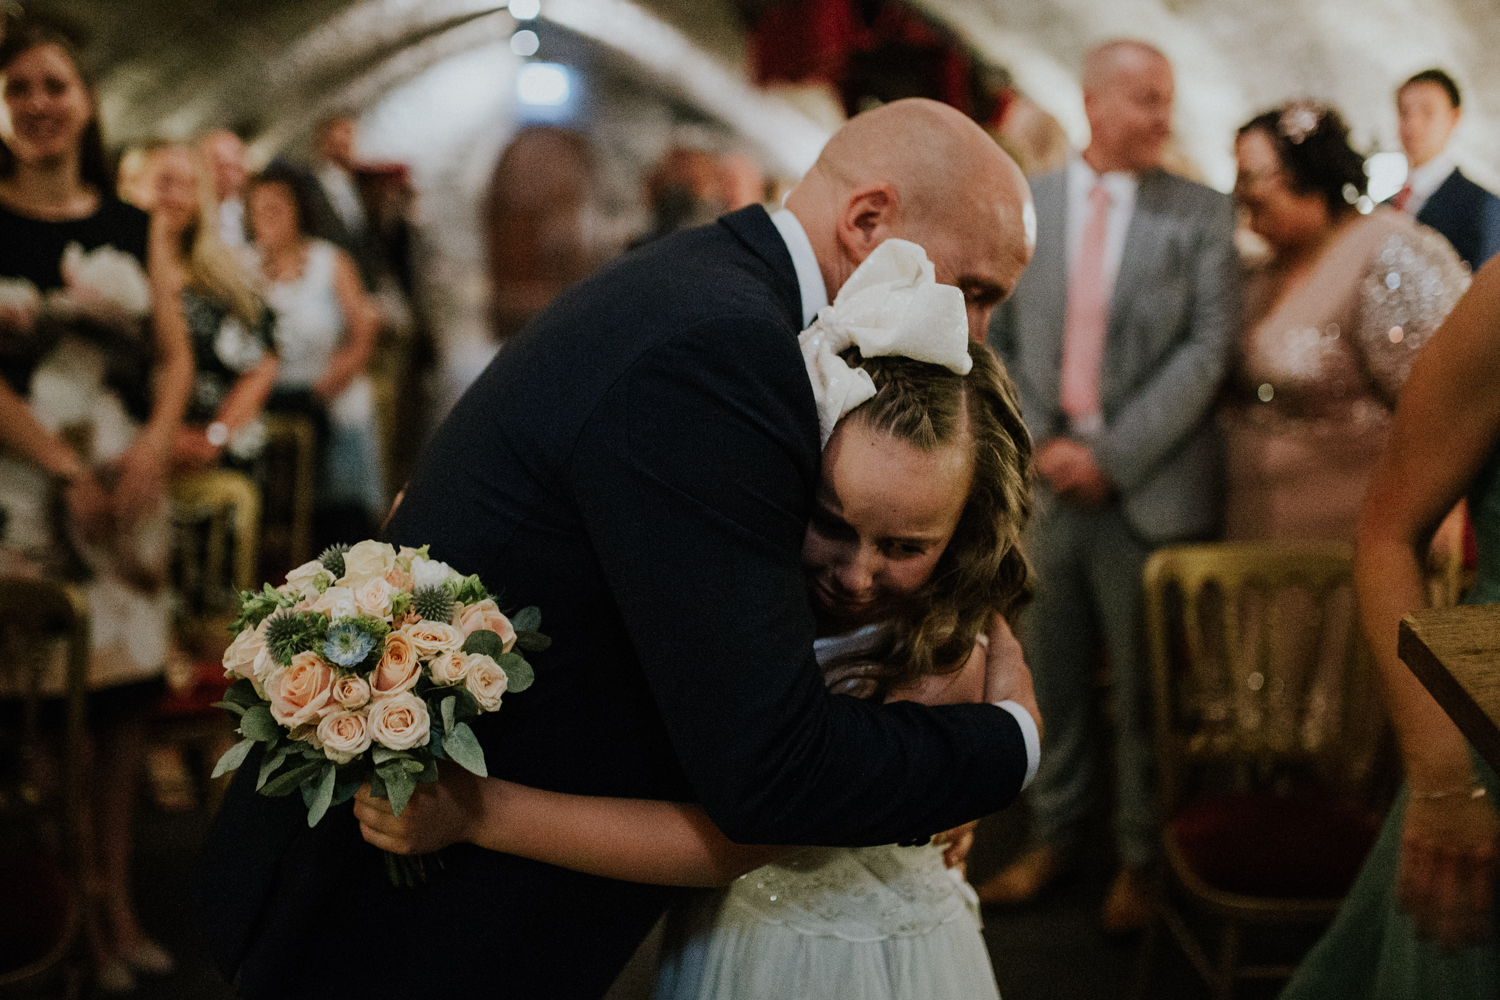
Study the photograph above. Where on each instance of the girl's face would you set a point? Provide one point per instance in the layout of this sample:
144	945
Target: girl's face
48	105
1282	216
273	216
884	513
176	195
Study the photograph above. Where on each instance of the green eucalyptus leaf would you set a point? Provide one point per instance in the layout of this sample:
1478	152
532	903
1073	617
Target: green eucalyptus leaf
322	795
527	619
377	786
399	787
518	673
532	642
271	763
447	708
413	766
486	642
288	780
230	707
380	754
462	747
468	707
258	724
242	693
233	757
429	772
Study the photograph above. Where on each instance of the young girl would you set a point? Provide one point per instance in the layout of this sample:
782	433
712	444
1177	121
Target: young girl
910	555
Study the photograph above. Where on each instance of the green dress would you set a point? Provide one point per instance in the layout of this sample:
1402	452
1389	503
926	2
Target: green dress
1372	949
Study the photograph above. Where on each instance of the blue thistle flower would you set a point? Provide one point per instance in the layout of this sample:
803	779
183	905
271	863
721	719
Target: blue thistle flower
348	644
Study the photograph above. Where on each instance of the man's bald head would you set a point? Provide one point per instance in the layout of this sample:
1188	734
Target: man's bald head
922	171
1127	96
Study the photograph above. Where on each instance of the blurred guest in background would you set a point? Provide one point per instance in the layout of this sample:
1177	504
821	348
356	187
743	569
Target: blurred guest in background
686	189
744	181
228	323
96	376
1419	921
1334	318
537	219
1436	192
325	331
135	178
1116	336
225	154
337	211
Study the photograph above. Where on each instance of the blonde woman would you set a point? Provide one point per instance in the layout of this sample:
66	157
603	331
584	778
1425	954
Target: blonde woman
228	323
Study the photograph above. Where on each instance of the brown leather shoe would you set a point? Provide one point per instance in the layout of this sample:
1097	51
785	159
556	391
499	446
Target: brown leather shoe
1025	878
1127	907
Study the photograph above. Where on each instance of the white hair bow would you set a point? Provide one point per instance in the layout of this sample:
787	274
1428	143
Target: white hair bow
891	305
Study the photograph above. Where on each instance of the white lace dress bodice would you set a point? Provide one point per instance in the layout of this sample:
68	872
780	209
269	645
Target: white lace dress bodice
868	923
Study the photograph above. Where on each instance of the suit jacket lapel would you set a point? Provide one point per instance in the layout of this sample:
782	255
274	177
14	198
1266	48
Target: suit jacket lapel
753	227
1051	263
1142	250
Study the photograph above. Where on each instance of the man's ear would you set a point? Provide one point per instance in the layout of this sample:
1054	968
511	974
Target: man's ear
867	220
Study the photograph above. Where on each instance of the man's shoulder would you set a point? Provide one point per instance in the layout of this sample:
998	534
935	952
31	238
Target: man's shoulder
1466	187
1189	196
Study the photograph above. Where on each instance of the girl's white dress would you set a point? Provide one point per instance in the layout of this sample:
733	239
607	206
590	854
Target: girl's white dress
870	923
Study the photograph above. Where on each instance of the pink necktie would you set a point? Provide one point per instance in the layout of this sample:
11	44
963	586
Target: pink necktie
1087	316
1402	197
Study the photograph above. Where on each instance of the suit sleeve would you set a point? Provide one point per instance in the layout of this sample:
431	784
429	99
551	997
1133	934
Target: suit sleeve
1172	403
1488	231
693	479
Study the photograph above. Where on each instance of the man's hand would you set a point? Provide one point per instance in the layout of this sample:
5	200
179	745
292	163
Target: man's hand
437	815
1069	468
1007	677
956	844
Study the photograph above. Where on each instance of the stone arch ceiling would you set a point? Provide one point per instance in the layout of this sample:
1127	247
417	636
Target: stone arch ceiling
171	66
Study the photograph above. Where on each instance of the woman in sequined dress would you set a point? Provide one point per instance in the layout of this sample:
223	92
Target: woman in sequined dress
1334	317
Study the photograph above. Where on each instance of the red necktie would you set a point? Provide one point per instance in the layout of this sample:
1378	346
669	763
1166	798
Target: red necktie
1087	316
1402	197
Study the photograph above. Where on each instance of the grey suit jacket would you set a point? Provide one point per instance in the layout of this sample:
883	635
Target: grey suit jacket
1175	308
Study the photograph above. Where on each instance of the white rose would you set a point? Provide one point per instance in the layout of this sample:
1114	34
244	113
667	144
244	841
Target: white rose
303	581
449	669
373	597
335	602
399	722
239	658
344	736
366	560
486	681
432	638
430	572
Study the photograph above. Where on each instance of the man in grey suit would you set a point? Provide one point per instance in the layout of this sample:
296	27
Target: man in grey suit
1116	337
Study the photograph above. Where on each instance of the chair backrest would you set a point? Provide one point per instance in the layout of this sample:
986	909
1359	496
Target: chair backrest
291	484
1259	675
218	541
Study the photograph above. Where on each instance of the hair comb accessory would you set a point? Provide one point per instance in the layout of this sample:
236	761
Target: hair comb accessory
1299	120
891	305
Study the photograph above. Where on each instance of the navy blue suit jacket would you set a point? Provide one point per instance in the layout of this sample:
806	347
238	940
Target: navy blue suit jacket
640	464
1468	215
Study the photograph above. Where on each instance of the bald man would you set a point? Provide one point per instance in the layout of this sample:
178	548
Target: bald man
1116	338
640	463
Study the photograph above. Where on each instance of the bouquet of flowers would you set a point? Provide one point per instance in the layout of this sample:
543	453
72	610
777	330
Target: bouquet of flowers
366	666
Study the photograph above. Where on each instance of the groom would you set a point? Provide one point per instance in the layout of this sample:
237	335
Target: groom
639	463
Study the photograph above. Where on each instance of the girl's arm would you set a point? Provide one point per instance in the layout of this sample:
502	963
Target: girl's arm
1446	426
635	840
362	322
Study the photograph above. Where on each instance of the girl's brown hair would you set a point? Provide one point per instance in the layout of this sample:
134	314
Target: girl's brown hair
983	570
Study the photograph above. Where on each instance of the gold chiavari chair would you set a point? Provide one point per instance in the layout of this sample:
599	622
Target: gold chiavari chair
291	475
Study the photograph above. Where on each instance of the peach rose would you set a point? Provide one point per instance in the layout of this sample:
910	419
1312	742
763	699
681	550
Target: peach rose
373	597
398	578
432	638
400	722
299	693
351	691
400	667
303	581
485	615
344	736
449	668
486	681
335	602
366	560
239	658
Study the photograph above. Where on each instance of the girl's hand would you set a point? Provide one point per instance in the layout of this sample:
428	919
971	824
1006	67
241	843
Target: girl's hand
956	844
142	481
1447	878
16	320
89	507
437	815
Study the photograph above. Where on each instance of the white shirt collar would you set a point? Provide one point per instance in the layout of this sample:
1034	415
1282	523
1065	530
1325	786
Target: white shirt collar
1427	178
809	274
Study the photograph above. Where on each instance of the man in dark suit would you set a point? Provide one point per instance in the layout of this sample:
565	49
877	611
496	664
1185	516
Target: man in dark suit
1436	192
339	214
640	463
1116	337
